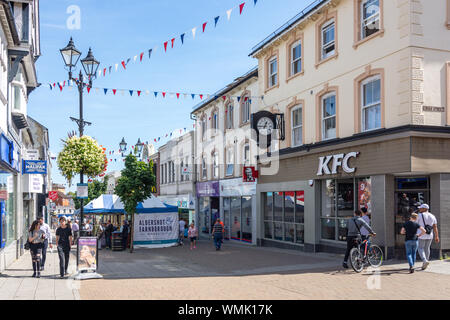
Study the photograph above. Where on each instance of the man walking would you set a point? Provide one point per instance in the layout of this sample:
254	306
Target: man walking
48	240
427	221
63	243
217	233
75	231
354	226
182	225
108	234
124	231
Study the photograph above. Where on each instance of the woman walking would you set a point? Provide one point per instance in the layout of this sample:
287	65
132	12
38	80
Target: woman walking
193	234
412	239
36	238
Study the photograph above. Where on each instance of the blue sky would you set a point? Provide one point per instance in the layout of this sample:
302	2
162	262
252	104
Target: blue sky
117	30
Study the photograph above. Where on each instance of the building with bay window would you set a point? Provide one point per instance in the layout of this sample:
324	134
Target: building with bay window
364	87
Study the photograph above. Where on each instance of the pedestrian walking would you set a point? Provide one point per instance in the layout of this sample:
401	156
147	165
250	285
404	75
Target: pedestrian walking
36	238
63	243
108	233
429	222
124	230
410	229
354	226
182	225
193	234
47	241
365	216
75	231
217	233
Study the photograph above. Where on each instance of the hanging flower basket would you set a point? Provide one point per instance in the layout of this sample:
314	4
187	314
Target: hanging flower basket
81	155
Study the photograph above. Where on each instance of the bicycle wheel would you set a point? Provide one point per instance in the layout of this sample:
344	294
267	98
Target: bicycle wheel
375	256
356	260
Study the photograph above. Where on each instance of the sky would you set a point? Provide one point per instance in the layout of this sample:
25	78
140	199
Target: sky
117	30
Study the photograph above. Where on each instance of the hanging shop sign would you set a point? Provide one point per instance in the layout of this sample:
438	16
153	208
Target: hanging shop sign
31	154
53	195
34	167
87	254
336	161
249	174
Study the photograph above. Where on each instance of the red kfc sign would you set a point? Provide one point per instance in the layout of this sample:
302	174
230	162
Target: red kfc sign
53	195
250	174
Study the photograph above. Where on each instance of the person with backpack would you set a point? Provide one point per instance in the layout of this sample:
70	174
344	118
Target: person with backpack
354	226
410	229
429	222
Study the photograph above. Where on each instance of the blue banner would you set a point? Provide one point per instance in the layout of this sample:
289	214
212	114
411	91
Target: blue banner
34	167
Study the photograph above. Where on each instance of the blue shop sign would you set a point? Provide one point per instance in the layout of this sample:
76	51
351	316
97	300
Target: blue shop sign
7	152
34	167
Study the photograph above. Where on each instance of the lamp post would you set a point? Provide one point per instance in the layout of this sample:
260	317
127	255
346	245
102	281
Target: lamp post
123	147
71	55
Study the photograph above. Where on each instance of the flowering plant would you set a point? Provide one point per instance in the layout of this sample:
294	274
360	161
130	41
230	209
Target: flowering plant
81	154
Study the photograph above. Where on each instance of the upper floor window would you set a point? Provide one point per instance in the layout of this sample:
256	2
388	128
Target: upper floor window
204	169
204	126
370	17
246	154
181	171
229	114
329	116
17	97
371	103
215	165
273	72
245	109
296	57
297	125
186	165
215	121
328	40
230	162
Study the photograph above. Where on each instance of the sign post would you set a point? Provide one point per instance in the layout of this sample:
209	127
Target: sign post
87	259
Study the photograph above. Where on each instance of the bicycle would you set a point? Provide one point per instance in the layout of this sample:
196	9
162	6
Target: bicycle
372	255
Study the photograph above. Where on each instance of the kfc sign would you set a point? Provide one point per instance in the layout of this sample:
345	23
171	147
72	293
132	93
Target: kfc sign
250	174
337	160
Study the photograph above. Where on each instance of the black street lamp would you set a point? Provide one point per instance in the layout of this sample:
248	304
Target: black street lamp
122	146
71	55
139	146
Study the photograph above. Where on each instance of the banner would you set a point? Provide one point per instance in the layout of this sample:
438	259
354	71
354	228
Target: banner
34	167
155	230
87	254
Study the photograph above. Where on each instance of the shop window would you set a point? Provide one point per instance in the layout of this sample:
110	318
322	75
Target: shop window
339	199
204	215
246	225
284	216
8	197
371	103
236	218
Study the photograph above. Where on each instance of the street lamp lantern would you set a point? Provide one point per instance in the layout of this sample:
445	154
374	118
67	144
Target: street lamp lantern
123	145
90	65
139	146
70	54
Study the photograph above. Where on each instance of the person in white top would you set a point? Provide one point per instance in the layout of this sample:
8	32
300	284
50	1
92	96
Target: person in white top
182	225
426	219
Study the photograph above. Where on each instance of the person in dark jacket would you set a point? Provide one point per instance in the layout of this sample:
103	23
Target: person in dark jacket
410	229
354	226
124	231
108	233
217	233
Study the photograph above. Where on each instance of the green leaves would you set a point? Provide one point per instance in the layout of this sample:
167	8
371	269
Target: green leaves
135	184
81	154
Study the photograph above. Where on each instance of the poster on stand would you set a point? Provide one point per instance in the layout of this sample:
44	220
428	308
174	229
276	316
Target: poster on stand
155	230
87	254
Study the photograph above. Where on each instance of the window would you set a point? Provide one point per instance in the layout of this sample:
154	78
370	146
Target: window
229	114
173	172
297	126
181	171
246	154
204	126
230	162
215	165
328	40
17	97
370	17
187	167
329	116
371	103
296	58
215	121
273	72
284	216
245	109
204	172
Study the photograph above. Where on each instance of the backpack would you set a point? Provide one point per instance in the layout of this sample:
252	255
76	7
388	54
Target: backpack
427	227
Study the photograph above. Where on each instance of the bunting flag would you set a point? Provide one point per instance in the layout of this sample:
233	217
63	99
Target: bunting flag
172	40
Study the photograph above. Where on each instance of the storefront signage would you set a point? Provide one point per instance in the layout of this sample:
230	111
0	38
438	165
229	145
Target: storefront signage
337	160
87	254
156	230
34	183
34	167
433	109
237	188
208	189
32	154
249	174
53	195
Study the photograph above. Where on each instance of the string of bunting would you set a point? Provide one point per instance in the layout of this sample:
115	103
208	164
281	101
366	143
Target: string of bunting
156	94
181	38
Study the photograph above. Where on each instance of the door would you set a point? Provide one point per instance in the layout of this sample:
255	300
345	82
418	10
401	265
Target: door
227	217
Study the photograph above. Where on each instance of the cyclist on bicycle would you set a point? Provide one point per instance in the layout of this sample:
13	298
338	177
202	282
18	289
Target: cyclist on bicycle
354	226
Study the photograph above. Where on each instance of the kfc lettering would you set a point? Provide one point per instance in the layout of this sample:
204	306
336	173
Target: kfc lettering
337	160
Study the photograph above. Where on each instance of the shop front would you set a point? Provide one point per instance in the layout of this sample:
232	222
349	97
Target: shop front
239	209
208	203
306	205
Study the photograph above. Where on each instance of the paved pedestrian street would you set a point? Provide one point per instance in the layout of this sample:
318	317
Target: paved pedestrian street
16	282
243	272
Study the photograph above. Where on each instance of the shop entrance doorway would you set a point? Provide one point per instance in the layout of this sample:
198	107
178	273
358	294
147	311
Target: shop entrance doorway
410	193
